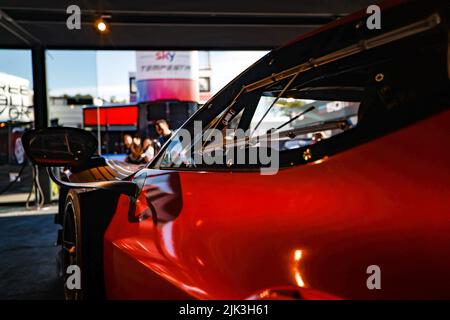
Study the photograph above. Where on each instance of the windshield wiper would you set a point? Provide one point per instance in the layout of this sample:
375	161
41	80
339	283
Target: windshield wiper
275	101
342	124
247	141
291	120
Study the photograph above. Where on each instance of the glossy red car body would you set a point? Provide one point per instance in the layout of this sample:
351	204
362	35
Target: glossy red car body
313	229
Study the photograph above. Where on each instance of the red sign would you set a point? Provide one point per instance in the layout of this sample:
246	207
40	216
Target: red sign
111	116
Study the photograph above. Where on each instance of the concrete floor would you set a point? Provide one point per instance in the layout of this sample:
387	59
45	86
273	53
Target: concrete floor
28	258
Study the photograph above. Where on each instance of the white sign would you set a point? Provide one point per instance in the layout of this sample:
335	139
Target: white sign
15	99
152	65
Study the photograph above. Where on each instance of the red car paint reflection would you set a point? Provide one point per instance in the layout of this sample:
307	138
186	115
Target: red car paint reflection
308	231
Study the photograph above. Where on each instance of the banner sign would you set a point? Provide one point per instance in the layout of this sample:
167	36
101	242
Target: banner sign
15	99
167	75
166	65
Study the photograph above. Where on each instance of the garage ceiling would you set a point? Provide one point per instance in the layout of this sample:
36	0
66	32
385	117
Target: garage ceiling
176	24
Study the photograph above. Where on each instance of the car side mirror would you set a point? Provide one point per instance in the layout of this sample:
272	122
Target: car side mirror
69	147
59	146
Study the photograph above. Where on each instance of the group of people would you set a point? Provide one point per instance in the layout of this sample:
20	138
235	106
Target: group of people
141	151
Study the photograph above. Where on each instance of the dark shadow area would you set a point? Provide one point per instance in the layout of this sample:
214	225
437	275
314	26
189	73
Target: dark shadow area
28	264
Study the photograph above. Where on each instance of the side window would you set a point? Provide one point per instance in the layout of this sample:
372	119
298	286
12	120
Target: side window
301	121
300	118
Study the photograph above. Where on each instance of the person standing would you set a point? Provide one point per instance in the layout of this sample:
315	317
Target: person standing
163	130
127	142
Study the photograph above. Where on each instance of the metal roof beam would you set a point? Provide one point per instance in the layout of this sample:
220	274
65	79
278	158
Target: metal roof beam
10	25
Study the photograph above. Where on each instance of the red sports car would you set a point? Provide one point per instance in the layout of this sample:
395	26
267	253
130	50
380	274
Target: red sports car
321	172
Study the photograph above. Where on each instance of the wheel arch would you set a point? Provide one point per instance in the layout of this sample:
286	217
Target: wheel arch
93	211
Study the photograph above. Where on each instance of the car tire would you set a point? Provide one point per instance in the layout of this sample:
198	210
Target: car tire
71	253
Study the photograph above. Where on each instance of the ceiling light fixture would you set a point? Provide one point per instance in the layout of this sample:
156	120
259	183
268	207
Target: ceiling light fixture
101	24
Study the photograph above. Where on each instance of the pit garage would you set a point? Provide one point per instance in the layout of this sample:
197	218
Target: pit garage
115	80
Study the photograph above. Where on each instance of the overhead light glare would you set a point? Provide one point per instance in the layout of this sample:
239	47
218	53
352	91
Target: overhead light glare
101	25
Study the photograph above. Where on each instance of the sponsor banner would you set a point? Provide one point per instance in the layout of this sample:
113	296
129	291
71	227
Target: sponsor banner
111	116
168	89
15	99
166	65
